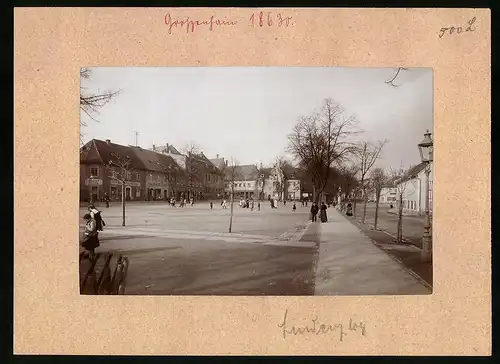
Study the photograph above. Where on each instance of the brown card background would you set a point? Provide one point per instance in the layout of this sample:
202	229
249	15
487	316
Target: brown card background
51	44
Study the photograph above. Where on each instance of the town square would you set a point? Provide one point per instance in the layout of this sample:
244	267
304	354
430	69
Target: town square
320	203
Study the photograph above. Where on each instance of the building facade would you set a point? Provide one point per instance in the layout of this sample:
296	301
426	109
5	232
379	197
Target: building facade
106	168
412	187
202	180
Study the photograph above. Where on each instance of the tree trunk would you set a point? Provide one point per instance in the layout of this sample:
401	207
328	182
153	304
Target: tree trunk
123	204
399	239
231	214
377	201
365	202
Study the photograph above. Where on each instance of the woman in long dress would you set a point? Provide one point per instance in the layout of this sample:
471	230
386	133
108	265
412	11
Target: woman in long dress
322	214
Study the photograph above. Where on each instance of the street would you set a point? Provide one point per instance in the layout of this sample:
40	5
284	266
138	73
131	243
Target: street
413	226
183	251
189	251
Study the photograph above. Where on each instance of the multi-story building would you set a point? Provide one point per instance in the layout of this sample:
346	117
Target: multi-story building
202	179
260	183
104	165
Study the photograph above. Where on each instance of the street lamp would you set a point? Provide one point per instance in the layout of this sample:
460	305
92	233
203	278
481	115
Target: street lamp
426	154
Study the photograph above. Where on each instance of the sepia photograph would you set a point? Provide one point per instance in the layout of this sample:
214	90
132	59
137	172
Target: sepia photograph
256	181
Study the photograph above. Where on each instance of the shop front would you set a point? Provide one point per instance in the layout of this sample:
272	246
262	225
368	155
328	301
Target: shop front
132	191
94	189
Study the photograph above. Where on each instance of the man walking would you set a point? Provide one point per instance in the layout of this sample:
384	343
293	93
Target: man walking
314	211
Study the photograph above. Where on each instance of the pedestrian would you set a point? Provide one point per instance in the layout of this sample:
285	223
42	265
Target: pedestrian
302	202
314	211
349	209
306	203
90	235
211	205
294	207
106	199
252	205
224	204
272	203
192	201
258	205
284	202
96	215
322	214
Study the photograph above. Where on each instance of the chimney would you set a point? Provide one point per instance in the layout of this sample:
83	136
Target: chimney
167	148
226	163
154	148
217	156
108	141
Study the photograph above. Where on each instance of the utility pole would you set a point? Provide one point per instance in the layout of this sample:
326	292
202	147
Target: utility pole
136	135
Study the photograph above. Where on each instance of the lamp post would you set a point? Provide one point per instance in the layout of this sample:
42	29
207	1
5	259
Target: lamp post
426	154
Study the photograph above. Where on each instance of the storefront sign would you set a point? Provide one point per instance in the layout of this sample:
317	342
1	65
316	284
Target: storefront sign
93	182
127	183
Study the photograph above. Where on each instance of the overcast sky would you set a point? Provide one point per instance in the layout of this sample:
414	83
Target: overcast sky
246	113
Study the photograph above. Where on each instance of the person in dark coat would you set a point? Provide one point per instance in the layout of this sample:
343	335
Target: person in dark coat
322	214
314	212
349	209
294	207
106	199
90	235
96	215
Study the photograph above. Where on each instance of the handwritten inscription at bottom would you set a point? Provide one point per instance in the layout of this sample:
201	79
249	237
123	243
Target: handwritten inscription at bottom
318	328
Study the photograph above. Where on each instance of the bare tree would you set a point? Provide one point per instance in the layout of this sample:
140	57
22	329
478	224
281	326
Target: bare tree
391	81
378	179
231	171
259	181
91	103
320	140
401	187
121	171
348	181
193	170
366	155
172	172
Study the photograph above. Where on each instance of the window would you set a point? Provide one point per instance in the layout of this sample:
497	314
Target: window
138	177
129	176
94	171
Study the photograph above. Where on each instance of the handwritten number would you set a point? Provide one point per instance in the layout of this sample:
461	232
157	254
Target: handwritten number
268	20
458	30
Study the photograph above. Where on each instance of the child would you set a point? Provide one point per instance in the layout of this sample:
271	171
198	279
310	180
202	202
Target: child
294	207
211	205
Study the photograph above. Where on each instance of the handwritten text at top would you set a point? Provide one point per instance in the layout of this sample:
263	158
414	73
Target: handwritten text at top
457	30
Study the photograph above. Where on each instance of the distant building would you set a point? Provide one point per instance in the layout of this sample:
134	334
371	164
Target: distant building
202	179
260	183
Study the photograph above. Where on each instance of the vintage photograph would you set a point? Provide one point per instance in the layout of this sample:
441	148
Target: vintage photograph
256	181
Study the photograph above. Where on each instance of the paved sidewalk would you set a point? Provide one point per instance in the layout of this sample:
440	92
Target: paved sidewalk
350	264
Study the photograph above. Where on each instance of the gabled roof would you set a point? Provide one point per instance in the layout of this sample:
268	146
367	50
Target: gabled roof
168	148
201	159
107	150
413	172
155	162
247	172
218	162
140	159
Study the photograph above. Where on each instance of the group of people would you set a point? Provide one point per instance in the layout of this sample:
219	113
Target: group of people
183	202
93	224
322	212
